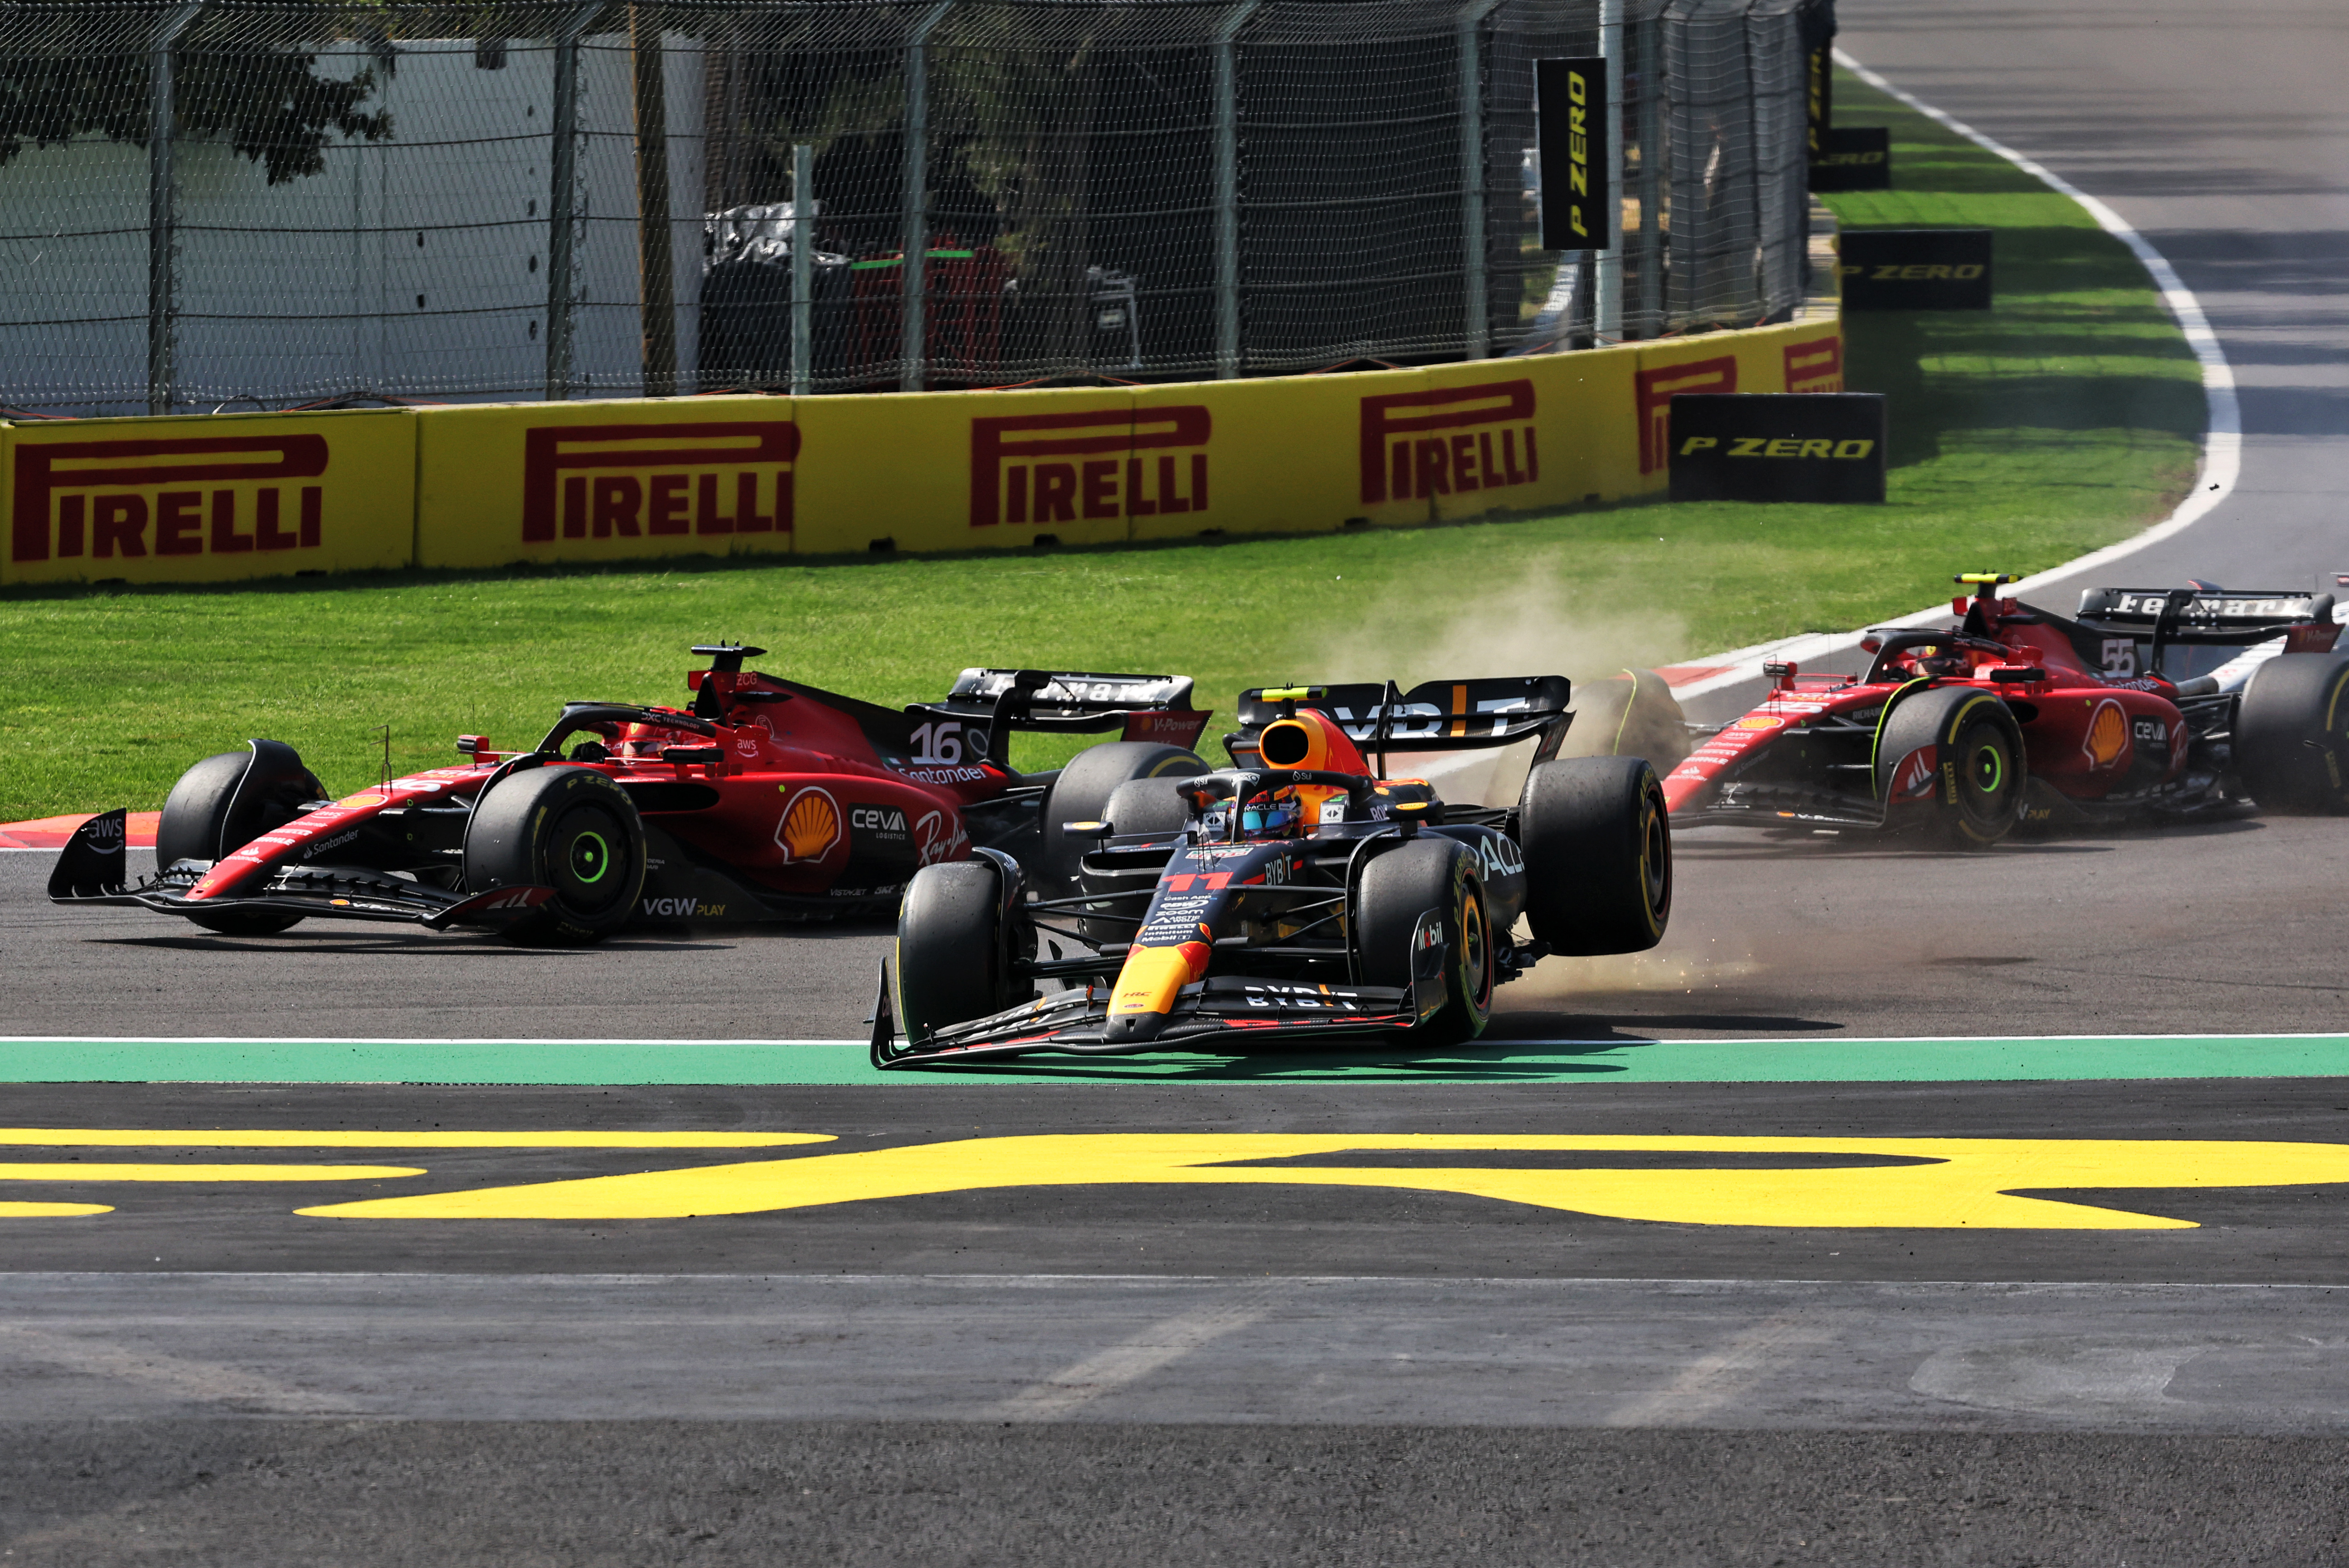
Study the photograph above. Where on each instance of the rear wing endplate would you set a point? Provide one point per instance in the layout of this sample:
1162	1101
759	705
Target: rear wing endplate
1145	707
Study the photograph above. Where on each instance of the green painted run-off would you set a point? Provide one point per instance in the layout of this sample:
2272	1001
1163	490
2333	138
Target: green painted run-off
611	1061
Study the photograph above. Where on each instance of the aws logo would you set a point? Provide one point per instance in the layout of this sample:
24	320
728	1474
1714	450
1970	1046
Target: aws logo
1787	447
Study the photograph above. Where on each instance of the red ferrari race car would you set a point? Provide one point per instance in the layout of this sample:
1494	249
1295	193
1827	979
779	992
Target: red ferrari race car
2016	716
765	801
1302	893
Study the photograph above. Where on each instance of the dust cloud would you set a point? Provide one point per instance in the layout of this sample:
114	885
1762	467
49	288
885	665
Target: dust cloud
1538	627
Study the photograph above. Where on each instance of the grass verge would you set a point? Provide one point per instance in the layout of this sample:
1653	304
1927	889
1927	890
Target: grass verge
2065	418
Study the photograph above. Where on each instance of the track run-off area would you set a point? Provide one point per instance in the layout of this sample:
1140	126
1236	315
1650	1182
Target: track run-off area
1901	1206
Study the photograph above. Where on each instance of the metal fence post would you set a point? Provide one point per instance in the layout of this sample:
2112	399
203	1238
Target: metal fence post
655	244
1227	188
803	269
1607	320
1652	174
1477	307
562	192
160	128
912	275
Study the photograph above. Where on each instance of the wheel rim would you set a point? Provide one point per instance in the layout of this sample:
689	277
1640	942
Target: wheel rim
1475	955
588	853
1988	769
591	857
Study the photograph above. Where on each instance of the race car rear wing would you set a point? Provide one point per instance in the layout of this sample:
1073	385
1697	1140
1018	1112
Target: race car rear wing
2205	615
1434	716
1145	707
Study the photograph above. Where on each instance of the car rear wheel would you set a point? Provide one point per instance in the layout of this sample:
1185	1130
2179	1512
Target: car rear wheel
1420	876
2292	734
1976	792
954	954
571	830
223	803
1081	793
1598	855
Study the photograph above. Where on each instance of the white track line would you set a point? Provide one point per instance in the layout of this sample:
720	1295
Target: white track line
2222	439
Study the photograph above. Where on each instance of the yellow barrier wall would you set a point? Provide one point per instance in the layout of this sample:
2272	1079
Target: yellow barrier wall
212	500
488	484
613	479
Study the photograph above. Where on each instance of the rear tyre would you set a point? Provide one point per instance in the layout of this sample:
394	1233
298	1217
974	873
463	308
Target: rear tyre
953	955
2292	734
571	830
1598	855
1081	793
1139	805
1977	794
1397	889
223	803
1631	713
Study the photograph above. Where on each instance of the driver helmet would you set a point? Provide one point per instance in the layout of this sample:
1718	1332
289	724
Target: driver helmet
1270	813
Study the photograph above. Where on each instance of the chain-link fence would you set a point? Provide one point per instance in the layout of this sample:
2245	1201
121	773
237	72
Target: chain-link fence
250	203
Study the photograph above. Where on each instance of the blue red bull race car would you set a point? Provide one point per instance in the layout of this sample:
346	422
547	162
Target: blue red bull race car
2150	704
766	800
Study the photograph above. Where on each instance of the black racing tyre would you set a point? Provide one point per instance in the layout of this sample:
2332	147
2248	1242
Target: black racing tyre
1399	886
1631	713
952	962
2292	734
1081	793
1978	798
572	829
224	803
1598	855
1138	805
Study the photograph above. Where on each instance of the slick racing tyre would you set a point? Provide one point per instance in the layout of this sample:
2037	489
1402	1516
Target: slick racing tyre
1631	713
1080	794
1397	889
571	830
1976	797
2292	734
1598	855
1139	805
223	803
954	954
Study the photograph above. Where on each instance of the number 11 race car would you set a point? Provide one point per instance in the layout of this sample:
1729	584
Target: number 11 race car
1302	893
765	801
2017	716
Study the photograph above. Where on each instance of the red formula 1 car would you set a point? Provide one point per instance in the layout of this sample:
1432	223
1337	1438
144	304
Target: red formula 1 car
765	801
2017	716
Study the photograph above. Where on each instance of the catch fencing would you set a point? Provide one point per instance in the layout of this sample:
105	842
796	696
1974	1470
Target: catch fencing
243	205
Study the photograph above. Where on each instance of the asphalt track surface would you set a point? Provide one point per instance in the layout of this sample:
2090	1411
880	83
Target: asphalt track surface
1364	1362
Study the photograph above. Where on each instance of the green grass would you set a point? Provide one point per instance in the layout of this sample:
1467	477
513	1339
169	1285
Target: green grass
2065	418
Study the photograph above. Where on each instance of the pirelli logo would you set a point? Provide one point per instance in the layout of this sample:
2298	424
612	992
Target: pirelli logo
1654	390
121	500
1448	442
1068	468
631	482
1816	365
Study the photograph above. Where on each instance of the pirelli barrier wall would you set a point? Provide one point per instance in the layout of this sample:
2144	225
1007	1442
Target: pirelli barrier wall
214	498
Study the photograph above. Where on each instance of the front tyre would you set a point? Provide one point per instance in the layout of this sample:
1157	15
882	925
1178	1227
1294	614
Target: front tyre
1598	855
223	803
1419	875
1976	792
2292	734
571	830
953	955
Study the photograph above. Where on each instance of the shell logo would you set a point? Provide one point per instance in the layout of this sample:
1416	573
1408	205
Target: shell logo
2107	736
811	825
1759	721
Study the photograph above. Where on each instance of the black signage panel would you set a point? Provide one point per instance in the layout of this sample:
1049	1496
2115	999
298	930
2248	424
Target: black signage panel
1819	96
1577	209
1916	269
1851	158
1777	446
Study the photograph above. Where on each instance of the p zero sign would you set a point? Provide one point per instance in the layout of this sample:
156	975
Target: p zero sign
1916	269
1810	446
140	501
1578	208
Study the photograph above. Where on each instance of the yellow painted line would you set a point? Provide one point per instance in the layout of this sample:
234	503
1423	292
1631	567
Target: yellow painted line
1970	1183
51	1210
267	1137
84	1171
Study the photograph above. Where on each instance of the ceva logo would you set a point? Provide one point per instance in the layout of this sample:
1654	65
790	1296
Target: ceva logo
629	481
127	499
1061	468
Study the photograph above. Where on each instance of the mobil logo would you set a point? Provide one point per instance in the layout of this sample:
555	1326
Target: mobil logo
123	498
1067	468
631	482
1816	365
1653	392
1488	442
